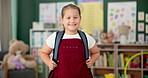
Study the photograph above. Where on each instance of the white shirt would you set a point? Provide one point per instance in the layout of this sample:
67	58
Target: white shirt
51	39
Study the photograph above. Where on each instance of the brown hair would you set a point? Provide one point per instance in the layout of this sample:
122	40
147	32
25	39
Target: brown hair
72	6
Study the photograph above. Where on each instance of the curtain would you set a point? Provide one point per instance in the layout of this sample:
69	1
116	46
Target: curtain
5	23
0	26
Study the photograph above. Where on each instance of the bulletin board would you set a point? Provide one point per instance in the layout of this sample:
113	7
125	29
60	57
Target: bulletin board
141	7
125	14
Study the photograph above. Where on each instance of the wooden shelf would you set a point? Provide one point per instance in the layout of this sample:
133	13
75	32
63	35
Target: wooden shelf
137	69
37	40
96	67
106	49
133	50
128	51
144	69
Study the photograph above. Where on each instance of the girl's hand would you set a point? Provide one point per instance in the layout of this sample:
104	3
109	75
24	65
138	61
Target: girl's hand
89	63
52	65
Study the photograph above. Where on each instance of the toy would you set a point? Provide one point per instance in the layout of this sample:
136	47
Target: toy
135	63
123	31
110	37
103	37
106	37
15	46
18	60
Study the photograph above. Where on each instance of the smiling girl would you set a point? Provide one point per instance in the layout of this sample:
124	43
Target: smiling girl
71	56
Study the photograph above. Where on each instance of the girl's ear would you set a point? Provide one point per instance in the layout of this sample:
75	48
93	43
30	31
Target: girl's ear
61	19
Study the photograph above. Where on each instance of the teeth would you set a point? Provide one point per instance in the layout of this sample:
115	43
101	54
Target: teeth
72	24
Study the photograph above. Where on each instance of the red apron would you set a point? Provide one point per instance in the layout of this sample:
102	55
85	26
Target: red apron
71	58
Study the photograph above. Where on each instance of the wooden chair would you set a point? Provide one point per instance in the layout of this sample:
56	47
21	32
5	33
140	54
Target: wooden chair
25	73
8	75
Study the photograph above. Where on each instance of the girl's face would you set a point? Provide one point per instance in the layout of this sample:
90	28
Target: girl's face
71	20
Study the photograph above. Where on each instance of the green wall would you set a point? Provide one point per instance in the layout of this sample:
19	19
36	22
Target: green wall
26	14
28	11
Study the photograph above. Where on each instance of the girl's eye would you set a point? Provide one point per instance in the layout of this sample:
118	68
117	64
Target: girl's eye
68	17
71	17
75	17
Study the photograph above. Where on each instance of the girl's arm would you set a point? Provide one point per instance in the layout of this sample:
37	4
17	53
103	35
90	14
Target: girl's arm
44	55
94	55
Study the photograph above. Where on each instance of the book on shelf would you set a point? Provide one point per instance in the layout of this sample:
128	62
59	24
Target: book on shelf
119	61
122	60
39	38
110	60
105	60
100	61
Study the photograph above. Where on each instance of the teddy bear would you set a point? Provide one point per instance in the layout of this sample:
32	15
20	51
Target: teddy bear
18	60
103	37
106	37
14	47
110	37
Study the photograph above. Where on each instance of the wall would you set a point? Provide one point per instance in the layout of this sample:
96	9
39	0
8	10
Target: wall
26	14
28	11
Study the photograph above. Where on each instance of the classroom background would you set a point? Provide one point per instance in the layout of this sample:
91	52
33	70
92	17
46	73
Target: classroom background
120	28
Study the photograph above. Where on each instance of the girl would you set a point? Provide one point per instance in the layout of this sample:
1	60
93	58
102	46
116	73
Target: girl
72	63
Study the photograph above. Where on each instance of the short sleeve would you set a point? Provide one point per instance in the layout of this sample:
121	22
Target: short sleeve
51	40
91	41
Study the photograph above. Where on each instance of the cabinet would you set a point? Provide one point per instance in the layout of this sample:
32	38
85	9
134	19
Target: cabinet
120	54
37	40
136	67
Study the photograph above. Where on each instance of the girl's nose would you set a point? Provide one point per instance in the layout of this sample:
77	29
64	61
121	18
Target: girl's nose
71	20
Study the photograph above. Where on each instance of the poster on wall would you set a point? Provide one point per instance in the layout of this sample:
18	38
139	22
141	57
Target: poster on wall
59	7
141	37
122	13
146	18
146	29
146	38
47	12
83	1
140	16
92	16
140	26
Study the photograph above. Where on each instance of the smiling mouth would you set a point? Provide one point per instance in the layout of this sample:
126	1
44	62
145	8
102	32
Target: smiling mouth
72	24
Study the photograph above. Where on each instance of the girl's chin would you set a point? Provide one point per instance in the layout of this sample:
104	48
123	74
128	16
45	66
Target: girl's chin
73	29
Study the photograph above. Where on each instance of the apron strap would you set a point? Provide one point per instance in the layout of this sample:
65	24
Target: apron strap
84	39
56	46
58	41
